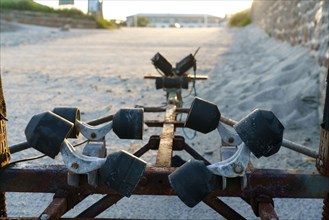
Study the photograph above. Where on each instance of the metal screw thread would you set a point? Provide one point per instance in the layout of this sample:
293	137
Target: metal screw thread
325	213
3	209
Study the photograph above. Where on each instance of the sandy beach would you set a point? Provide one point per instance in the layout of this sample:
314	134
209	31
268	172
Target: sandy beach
102	71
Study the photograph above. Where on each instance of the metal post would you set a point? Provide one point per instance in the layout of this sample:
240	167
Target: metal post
266	211
205	20
3	209
325	213
322	162
4	150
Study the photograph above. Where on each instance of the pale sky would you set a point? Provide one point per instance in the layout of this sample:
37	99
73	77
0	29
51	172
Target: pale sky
122	9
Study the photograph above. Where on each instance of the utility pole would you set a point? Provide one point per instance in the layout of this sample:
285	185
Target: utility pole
95	8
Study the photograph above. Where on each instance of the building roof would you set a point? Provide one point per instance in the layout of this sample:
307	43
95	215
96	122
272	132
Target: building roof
171	15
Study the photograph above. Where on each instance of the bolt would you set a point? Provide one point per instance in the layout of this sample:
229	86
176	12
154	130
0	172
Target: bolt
75	165
237	167
44	217
231	140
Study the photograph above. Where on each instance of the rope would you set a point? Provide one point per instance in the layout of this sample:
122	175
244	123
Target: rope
184	132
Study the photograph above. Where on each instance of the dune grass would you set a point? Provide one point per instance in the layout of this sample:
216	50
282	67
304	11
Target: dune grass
240	19
29	5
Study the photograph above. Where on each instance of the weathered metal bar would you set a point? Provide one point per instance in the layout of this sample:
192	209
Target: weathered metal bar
4	150
161	109
267	212
55	209
325	213
142	150
101	120
178	142
322	162
195	154
165	148
283	183
299	148
19	147
100	206
62	202
166	139
190	77
220	207
160	123
228	121
286	143
325	122
3	208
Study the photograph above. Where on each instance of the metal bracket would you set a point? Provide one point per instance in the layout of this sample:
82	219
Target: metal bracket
93	149
94	133
77	163
234	166
229	137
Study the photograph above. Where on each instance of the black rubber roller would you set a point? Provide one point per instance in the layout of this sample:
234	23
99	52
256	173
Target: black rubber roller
192	182
203	116
122	172
261	131
70	114
171	83
128	123
46	132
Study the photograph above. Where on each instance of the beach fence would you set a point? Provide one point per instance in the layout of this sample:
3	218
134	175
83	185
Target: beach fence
122	174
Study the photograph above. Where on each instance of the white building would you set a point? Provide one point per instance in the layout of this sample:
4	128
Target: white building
176	20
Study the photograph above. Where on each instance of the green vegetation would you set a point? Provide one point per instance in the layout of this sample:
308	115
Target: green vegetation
30	5
142	21
240	19
106	24
27	5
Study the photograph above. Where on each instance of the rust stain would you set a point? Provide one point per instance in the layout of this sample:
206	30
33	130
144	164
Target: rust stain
322	162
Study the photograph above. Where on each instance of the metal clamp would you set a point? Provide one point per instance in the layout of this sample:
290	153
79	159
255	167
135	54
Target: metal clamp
77	163
229	137
234	166
94	133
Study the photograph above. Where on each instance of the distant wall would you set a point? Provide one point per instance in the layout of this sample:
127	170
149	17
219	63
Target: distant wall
46	19
304	22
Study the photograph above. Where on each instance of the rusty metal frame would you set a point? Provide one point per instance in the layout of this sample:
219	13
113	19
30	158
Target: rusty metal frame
262	184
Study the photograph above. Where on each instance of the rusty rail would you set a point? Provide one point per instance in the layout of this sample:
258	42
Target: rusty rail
166	139
3	208
322	162
267	212
190	77
283	183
